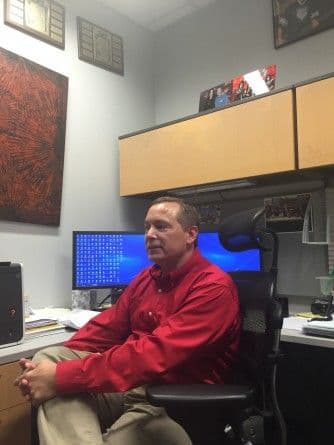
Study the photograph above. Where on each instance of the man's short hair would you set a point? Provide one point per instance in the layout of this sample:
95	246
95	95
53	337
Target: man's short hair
187	215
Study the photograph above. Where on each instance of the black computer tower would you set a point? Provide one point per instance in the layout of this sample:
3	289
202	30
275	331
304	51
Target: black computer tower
11	304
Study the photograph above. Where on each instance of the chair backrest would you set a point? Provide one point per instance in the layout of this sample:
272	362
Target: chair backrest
262	321
257	293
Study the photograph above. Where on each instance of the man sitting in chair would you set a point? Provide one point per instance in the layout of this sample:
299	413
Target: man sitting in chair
177	322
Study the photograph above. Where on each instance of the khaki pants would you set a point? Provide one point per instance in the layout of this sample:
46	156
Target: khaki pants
96	419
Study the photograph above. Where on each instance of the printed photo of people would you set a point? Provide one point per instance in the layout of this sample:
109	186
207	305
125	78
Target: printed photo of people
296	19
210	213
241	87
216	97
286	213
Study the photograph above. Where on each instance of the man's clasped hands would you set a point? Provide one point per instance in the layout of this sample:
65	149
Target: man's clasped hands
37	382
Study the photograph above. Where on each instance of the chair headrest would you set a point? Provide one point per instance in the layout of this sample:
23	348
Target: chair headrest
240	231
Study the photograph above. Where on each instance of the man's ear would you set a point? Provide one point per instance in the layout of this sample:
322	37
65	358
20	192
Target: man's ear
192	234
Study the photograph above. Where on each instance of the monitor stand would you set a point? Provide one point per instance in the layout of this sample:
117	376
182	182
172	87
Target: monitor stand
113	296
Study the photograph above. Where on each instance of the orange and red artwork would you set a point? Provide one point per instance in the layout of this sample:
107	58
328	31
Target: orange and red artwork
33	103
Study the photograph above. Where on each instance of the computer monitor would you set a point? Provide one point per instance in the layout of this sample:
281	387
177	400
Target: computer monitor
210	247
105	259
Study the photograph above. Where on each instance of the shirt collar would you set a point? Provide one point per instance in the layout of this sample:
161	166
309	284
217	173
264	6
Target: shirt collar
167	282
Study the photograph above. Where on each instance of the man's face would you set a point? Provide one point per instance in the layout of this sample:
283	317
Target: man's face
167	243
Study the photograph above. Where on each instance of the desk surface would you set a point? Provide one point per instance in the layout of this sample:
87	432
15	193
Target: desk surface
30	346
294	336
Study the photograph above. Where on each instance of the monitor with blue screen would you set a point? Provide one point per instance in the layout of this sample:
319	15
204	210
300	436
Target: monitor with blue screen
210	247
112	259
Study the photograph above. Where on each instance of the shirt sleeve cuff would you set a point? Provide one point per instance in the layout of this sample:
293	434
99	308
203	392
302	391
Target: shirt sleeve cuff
70	377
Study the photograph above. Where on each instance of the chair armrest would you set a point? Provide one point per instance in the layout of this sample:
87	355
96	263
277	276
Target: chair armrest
201	396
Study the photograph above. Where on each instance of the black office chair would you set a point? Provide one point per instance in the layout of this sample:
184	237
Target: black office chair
245	411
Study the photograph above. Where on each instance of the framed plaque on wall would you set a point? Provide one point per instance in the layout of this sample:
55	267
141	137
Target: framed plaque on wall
100	47
44	19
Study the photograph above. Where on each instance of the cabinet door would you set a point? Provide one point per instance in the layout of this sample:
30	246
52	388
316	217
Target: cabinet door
315	111
14	410
242	141
15	425
10	395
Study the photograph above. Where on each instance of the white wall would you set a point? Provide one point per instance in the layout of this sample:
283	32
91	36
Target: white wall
101	106
228	38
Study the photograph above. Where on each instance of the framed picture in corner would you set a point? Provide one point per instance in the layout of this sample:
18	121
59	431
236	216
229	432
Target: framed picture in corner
297	19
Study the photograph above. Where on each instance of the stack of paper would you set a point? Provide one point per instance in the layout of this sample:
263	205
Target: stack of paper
78	318
54	320
322	328
36	322
44	330
53	313
37	325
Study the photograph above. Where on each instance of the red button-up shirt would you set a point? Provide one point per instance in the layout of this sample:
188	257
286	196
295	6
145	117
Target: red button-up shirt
180	328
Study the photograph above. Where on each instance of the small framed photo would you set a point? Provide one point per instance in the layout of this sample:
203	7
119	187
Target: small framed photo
215	97
256	82
286	213
44	19
296	19
100	47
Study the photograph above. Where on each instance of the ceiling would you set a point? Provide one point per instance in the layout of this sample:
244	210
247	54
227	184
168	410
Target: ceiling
156	14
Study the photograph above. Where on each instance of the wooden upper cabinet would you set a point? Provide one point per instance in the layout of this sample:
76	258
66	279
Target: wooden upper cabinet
315	124
241	141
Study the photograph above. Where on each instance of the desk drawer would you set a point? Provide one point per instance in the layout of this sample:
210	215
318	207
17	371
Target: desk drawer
15	425
10	395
